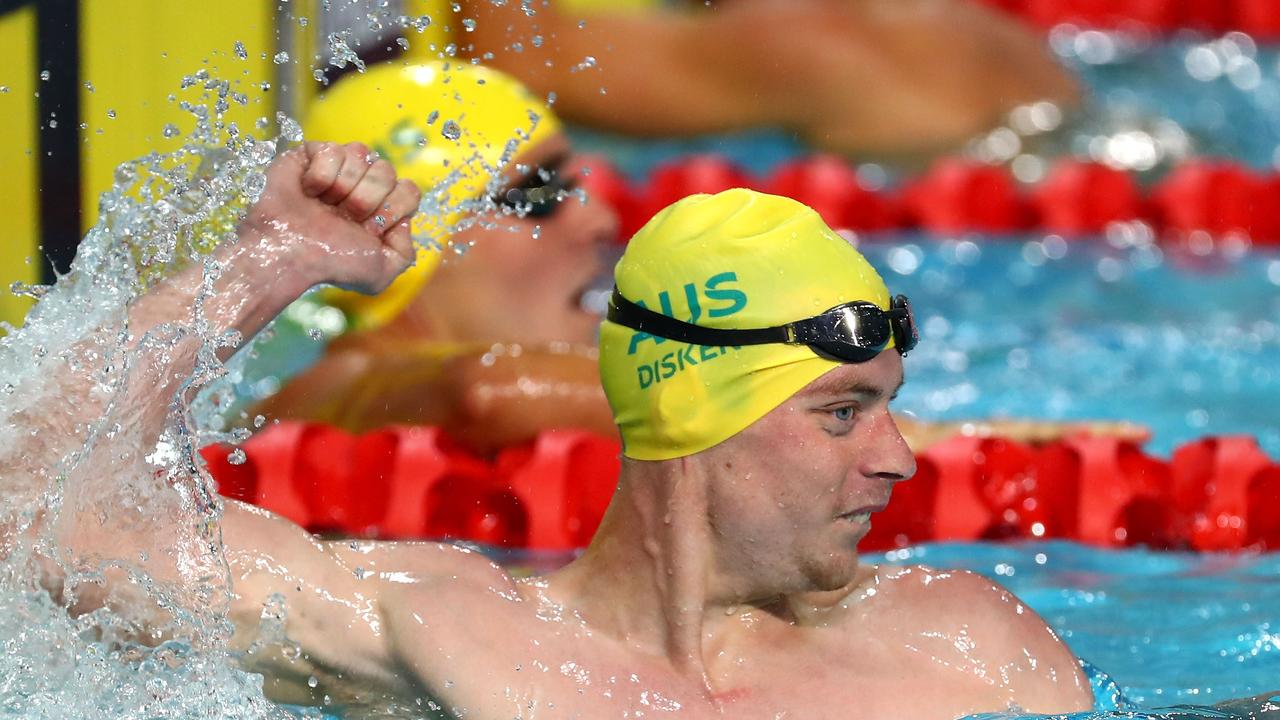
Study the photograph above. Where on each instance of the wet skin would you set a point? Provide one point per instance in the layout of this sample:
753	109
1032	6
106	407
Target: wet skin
520	278
436	362
723	584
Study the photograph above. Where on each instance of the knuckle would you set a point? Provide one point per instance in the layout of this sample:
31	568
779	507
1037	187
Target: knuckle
411	188
359	205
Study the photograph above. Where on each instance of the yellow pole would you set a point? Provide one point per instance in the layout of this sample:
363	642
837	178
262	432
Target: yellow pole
135	54
19	216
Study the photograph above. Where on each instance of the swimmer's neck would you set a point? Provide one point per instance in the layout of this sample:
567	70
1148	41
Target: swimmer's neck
650	577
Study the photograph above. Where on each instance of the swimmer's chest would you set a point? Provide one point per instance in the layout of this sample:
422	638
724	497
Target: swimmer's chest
527	667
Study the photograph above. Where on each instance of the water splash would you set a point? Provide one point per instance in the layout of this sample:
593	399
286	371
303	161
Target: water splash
63	466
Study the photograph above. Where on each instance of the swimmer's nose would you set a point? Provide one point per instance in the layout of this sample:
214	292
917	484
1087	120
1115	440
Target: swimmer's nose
887	455
597	222
594	222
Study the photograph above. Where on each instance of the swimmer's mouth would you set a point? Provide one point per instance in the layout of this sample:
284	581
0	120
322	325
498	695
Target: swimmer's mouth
862	514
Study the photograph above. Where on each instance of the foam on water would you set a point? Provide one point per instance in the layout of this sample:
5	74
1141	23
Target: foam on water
88	467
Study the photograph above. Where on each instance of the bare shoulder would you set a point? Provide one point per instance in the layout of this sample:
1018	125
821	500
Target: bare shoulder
994	629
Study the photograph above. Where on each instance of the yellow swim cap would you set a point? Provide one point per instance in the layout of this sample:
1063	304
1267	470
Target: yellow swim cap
447	126
737	259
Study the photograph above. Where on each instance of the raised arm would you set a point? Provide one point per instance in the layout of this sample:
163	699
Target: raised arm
328	214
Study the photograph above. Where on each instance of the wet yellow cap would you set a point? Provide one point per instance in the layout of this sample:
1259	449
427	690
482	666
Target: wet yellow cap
737	259
450	127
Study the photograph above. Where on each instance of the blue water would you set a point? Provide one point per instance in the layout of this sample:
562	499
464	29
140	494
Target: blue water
1185	346
1170	628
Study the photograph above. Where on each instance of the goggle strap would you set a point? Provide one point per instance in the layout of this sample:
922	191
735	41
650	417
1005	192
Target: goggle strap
628	314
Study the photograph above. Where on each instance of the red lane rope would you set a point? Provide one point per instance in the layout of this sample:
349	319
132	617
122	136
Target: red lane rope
1076	199
1258	18
1213	494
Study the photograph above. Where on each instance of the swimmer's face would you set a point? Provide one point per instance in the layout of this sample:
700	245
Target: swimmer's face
515	285
789	497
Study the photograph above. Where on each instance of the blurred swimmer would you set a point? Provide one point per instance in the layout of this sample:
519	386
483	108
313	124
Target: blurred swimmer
875	79
496	346
724	580
516	269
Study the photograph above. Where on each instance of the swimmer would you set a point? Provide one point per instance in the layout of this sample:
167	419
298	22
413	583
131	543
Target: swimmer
422	352
724	580
495	347
889	80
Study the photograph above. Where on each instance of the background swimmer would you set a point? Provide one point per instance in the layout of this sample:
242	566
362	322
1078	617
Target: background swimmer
496	346
880	79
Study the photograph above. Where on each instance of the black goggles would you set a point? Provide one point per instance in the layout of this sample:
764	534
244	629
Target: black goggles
854	332
539	195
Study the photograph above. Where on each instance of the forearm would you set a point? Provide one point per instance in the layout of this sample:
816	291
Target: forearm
658	73
82	499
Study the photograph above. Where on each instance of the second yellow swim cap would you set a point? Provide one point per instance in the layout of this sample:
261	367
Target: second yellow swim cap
449	126
737	259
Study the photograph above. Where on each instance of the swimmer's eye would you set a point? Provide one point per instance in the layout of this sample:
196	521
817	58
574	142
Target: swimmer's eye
843	414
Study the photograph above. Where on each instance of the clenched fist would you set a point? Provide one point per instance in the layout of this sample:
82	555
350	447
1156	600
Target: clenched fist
333	214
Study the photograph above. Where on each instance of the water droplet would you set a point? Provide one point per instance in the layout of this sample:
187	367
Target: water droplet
236	457
315	334
289	128
88	86
170	130
53	123
469	24
259	420
240	51
536	40
432	117
254	184
261	153
25	290
451	130
303	22
312	681
4	88
44	74
111	113
280	58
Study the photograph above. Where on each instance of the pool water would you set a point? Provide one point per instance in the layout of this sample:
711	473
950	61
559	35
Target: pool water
1169	628
1044	328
